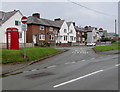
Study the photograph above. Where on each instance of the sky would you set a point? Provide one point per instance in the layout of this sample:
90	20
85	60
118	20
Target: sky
70	12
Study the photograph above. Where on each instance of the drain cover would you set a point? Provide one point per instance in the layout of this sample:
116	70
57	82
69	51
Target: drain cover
38	75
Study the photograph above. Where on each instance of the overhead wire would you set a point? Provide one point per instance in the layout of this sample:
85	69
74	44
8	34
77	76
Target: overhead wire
91	9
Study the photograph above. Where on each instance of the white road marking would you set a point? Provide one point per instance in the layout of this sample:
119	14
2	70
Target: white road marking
70	62
73	62
92	58
34	70
25	71
51	66
61	84
67	63
117	64
82	60
109	55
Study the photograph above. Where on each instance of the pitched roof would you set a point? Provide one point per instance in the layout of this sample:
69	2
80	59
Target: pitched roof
79	29
46	22
68	23
4	16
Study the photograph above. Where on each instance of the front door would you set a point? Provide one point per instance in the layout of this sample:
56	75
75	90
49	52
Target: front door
34	38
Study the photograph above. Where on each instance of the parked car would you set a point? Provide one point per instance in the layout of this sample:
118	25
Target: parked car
91	44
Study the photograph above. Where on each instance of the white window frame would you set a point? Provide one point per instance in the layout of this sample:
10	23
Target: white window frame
71	31
18	23
41	37
20	35
65	30
42	28
65	37
51	29
51	37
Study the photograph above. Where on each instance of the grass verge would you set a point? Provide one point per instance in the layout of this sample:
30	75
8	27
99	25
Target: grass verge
15	56
114	46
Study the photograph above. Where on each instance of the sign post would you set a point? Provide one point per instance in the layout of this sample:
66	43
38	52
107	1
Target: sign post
24	28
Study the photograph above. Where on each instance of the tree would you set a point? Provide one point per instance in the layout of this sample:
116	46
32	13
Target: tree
85	36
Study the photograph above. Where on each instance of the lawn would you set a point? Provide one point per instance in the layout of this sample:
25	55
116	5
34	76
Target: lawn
114	46
11	56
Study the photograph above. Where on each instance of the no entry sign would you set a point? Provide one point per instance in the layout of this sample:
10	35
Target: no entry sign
24	20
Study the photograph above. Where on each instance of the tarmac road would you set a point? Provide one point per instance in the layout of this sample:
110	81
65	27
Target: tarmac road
77	69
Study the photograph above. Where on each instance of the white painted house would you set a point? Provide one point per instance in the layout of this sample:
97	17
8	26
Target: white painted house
92	34
11	19
71	32
67	32
63	32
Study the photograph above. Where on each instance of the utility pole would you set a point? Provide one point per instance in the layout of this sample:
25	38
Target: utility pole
115	27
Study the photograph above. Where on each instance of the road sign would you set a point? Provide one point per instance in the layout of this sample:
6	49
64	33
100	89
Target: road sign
24	20
24	27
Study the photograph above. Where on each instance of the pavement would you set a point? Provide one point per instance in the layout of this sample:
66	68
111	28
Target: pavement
80	68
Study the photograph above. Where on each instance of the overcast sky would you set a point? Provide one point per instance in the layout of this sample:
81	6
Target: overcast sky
70	12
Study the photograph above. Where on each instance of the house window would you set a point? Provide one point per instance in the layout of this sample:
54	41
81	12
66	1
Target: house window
65	38
17	23
51	37
20	34
41	37
74	38
71	31
51	29
71	38
55	32
42	27
65	30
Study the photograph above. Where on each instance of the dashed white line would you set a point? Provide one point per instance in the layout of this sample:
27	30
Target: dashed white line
34	70
51	66
92	58
25	71
61	84
73	62
82	60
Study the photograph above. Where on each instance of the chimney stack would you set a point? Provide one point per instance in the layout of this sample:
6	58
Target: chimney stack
36	15
73	23
58	19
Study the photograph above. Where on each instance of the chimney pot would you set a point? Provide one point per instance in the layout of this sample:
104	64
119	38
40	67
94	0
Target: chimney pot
36	15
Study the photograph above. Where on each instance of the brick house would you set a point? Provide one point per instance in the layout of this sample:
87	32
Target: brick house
79	32
41	30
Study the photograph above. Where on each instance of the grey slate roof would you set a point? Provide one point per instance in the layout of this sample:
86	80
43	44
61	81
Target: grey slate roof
68	23
78	29
4	16
46	22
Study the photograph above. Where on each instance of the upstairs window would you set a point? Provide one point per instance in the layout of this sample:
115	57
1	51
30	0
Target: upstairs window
65	30
17	23
71	31
51	29
42	27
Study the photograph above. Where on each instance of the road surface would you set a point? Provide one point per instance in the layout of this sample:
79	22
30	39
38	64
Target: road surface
77	69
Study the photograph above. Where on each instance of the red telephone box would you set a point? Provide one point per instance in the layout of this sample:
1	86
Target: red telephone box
12	38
